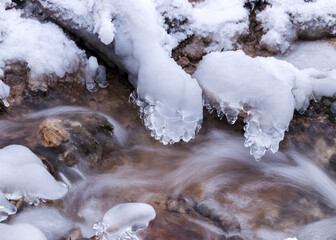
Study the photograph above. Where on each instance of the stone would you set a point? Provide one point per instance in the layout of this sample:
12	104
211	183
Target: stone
51	133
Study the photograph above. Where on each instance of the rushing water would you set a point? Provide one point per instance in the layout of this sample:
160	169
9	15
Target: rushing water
220	188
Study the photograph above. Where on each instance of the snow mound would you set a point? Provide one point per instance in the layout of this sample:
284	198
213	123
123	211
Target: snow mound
284	21
45	48
22	174
124	220
20	232
266	89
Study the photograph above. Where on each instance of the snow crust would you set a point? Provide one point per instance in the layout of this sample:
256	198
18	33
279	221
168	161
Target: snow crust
44	46
266	89
221	21
20	232
22	174
124	220
284	21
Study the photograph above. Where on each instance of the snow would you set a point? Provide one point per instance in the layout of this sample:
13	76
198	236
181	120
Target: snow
320	55
44	46
222	21
284	21
22	174
20	232
124	220
266	89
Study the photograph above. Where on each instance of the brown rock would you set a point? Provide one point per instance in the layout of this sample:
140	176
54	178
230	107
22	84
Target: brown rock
51	133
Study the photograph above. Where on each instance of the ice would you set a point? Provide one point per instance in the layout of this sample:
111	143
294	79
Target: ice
6	208
283	21
48	220
22	174
266	89
20	232
124	220
44	46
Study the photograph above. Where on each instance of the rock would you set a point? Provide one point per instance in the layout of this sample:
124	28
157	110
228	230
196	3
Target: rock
332	162
51	133
75	233
333	108
195	49
235	237
86	137
227	225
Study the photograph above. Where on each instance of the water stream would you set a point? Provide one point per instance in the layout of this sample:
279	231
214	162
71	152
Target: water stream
205	189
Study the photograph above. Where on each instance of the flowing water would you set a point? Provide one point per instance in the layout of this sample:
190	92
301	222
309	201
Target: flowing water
205	189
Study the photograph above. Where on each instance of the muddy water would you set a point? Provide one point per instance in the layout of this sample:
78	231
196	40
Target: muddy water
210	188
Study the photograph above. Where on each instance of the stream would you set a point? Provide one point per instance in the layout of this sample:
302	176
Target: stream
209	188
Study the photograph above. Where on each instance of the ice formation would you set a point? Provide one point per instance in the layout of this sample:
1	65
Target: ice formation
22	174
266	89
49	221
6	208
124	220
170	100
283	21
45	48
20	232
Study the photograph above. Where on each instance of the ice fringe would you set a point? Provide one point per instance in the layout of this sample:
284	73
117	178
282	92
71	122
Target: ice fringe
122	221
268	90
170	100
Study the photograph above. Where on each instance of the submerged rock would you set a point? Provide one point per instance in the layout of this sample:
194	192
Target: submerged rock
85	137
51	133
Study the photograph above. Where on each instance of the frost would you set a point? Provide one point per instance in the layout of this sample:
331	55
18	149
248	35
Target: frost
20	232
22	174
284	21
124	220
266	89
6	208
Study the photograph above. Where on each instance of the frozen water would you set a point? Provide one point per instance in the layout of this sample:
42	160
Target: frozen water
48	220
22	174
284	20
20	232
267	89
124	220
6	208
170	100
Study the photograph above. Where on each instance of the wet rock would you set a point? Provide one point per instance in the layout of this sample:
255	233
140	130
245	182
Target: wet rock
235	237
333	108
16	77
195	49
85	137
51	133
227	225
332	162
75	233
180	205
